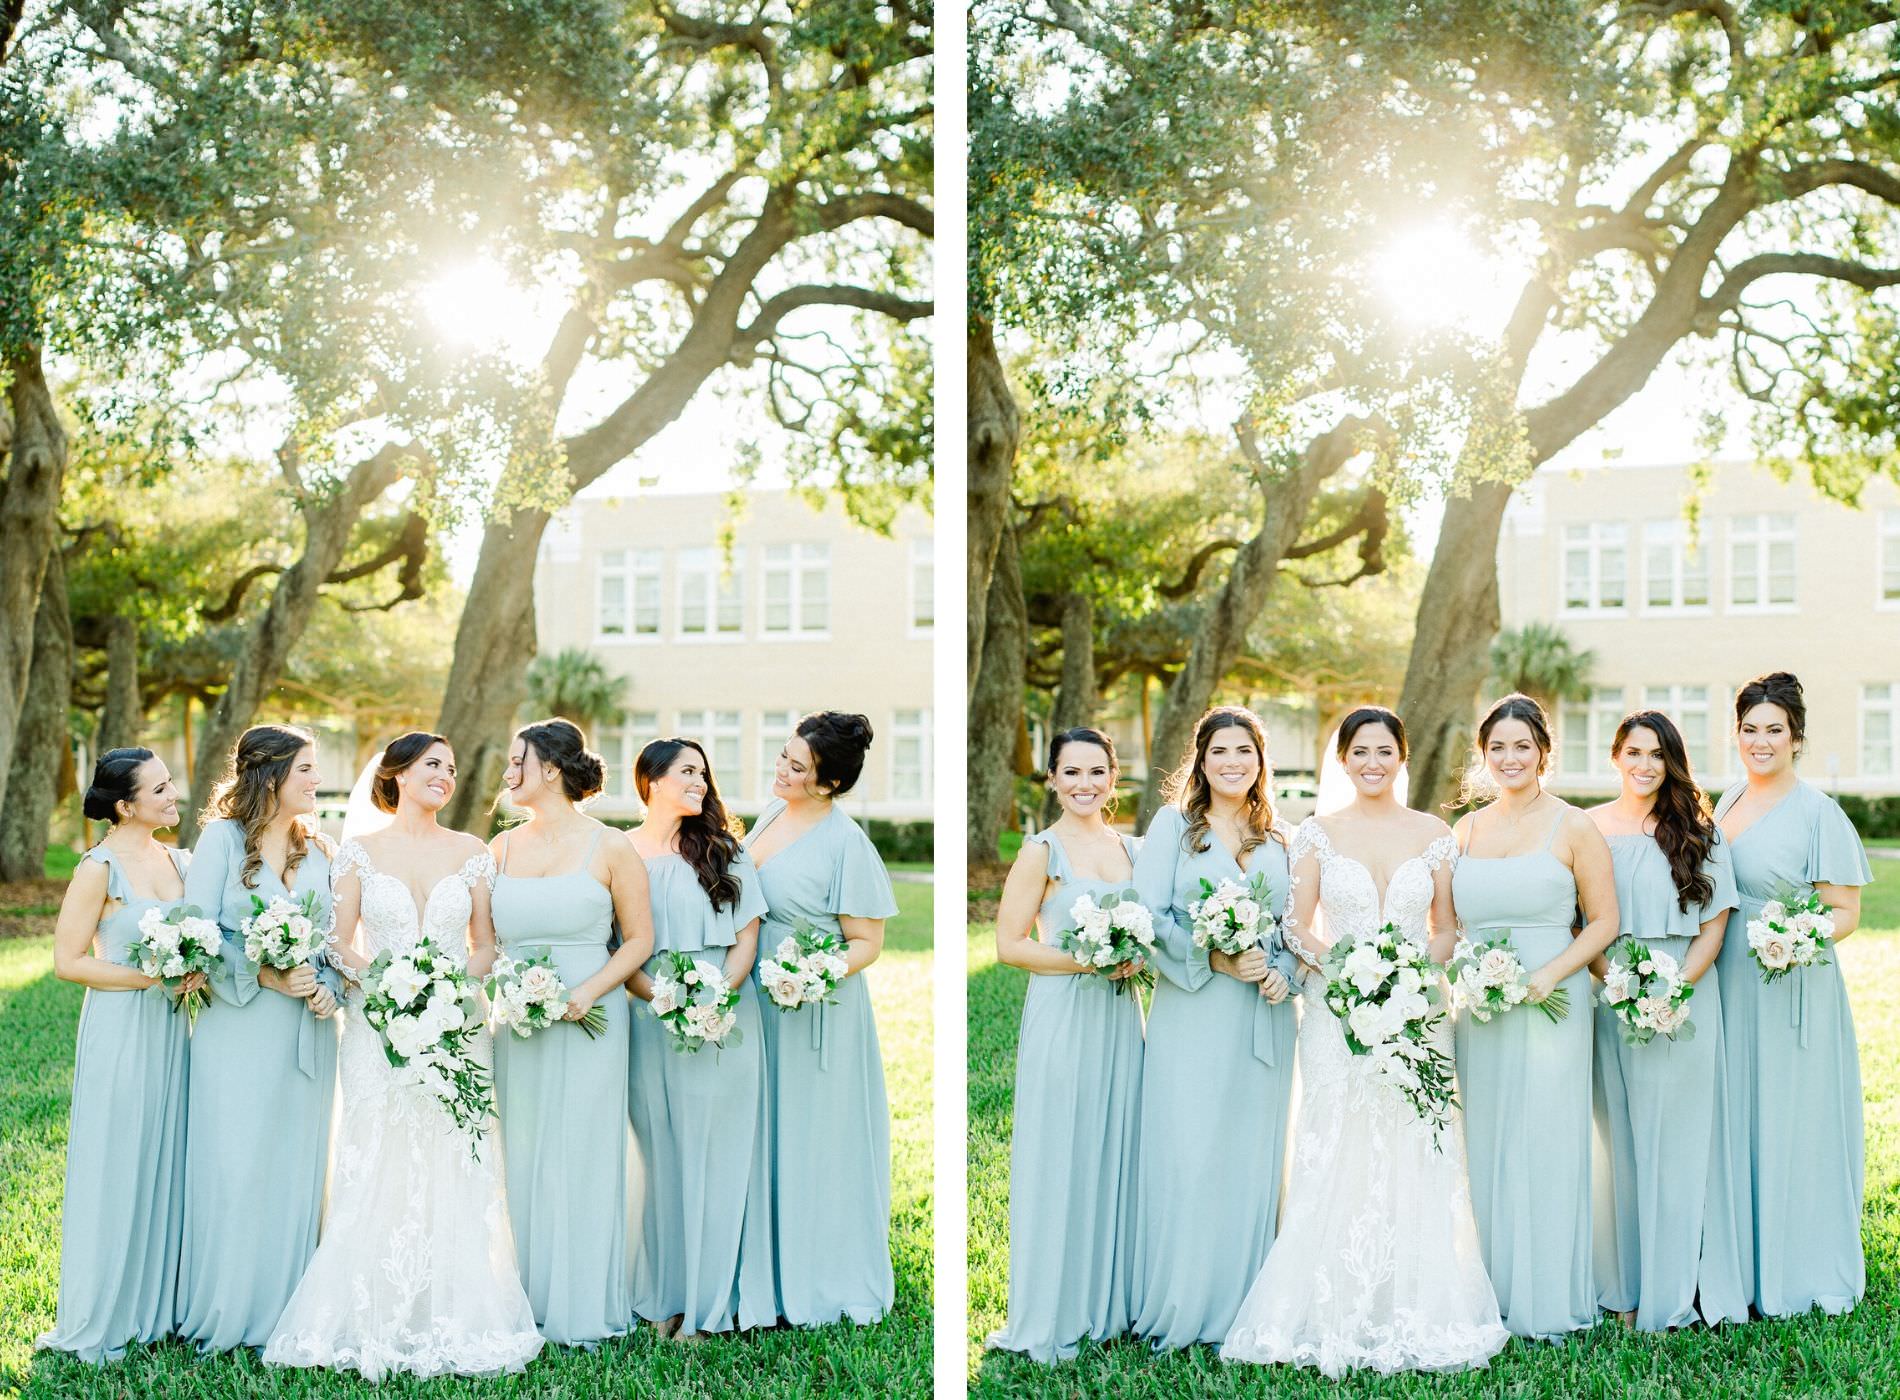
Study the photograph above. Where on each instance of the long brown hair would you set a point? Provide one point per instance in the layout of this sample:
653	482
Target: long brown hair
1476	781
1187	787
1684	829
707	841
249	792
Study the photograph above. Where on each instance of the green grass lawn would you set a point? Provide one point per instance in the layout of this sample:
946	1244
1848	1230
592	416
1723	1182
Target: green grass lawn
1815	1356
37	1019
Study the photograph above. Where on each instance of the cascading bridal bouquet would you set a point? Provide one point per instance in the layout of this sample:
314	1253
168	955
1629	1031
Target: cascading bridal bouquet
1233	917
1108	932
526	995
1791	933
422	1003
1385	991
695	1005
283	933
805	968
1488	980
1647	992
174	942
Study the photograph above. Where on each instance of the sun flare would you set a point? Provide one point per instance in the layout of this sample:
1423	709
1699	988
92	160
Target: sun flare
1434	275
474	306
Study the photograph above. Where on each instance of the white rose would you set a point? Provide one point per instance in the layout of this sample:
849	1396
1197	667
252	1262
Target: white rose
1497	968
1618	984
1774	912
1775	950
666	996
539	983
788	950
1080	910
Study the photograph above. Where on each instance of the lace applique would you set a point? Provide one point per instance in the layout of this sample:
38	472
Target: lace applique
1441	852
351	859
1307	840
480	866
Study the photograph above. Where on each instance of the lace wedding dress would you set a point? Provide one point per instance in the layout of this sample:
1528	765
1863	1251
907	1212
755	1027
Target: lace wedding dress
1376	1263
415	1270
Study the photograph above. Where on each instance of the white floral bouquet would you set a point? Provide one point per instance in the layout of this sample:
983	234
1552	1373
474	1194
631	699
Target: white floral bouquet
805	968
1790	933
175	941
1233	917
1488	980
695	1005
283	933
1108	932
526	995
423	1004
1646	990
1385	990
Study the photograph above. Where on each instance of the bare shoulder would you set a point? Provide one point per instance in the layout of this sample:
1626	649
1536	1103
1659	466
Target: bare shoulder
466	844
1429	825
89	879
1579	825
1032	859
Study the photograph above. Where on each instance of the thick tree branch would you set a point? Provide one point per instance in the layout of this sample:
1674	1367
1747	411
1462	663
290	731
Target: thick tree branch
782	304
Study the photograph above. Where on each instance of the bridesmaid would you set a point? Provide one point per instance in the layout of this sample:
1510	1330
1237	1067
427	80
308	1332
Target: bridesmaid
830	1122
125	1150
1666	1249
560	887
263	1068
1528	860
706	1242
1078	1074
1218	1069
1795	1137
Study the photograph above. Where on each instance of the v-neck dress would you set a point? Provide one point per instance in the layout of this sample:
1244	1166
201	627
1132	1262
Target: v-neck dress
1666	1243
1795	1137
257	1136
1216	1082
830	1122
1073	1143
122	1217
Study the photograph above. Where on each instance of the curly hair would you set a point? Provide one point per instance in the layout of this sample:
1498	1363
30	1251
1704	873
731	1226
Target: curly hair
708	842
1187	787
250	790
1684	829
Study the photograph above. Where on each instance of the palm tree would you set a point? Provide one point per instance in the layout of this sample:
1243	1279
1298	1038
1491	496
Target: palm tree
573	684
1539	660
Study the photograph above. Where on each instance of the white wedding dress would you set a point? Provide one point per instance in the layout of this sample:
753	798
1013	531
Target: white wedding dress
1376	1263
415	1270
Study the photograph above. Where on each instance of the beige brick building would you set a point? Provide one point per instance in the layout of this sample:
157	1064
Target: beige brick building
1775	578
813	612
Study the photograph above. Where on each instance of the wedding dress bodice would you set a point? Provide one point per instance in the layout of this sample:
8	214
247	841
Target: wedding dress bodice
388	907
1349	898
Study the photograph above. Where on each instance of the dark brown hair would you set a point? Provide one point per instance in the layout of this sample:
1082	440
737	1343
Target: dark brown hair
251	789
838	743
1083	734
1371	714
399	756
707	840
1476	782
561	743
115	779
1187	787
1778	688
1684	829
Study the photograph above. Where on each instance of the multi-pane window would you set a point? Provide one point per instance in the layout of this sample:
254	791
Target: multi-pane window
629	593
720	733
797	589
910	755
1879	730
1890	556
1596	566
923	586
1675	572
1761	561
712	598
775	727
1586	728
1688	706
620	745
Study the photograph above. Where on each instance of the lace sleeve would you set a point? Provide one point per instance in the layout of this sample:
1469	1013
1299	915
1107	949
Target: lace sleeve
1308	840
480	866
1443	851
350	859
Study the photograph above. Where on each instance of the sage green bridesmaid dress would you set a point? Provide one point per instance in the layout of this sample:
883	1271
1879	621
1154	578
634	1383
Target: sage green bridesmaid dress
1795	1138
257	1132
562	1098
1664	1206
706	1238
1526	1086
1073	1144
830	1122
122	1217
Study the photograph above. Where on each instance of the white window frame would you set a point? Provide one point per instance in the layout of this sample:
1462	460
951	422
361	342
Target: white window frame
1887	562
797	562
620	745
1595	538
1673	535
725	589
1879	712
1764	530
715	730
923	587
907	725
1600	715
775	727
1680	702
630	568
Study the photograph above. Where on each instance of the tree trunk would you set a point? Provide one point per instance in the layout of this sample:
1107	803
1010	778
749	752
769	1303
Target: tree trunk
488	683
42	749
1075	694
124	716
29	528
996	708
1286	497
266	642
995	430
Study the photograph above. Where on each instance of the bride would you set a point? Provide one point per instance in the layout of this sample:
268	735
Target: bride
415	1270
1376	1263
